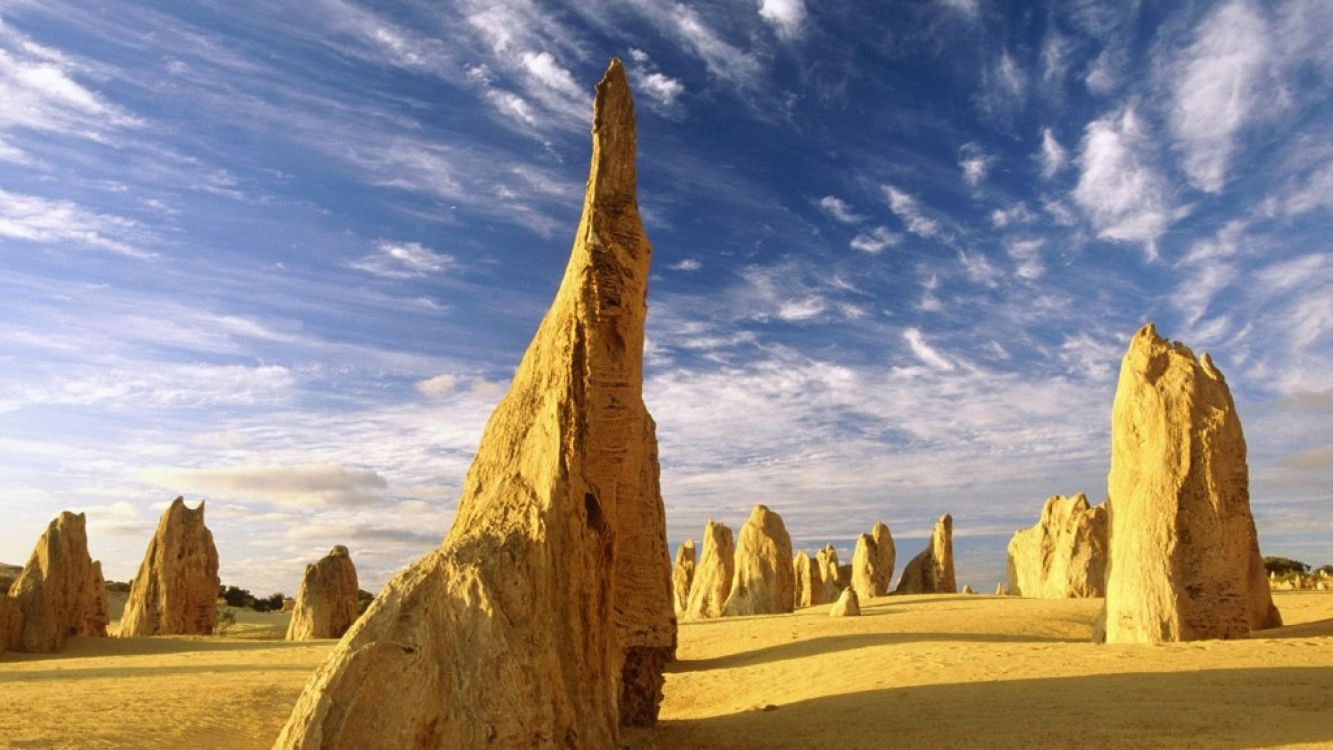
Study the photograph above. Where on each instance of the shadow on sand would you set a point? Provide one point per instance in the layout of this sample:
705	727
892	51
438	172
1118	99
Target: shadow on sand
1259	708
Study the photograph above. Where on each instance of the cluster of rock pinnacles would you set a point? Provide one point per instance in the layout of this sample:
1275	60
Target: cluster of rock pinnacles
548	613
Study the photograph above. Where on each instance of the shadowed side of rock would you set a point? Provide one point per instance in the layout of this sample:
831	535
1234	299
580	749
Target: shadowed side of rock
514	633
175	591
60	592
682	576
931	571
1184	554
326	603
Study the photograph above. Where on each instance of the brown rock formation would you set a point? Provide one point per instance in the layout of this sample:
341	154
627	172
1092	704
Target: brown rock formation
1064	555
827	562
872	562
519	629
713	574
1184	555
326	603
931	571
175	591
807	581
762	584
59	594
847	605
682	576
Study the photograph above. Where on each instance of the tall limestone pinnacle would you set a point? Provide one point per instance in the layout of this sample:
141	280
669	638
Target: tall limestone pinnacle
60	592
1184	558
175	591
550	598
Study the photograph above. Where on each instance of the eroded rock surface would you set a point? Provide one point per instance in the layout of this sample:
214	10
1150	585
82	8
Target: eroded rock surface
713	574
808	581
931	571
60	592
763	582
326	602
1064	555
1184	555
847	605
175	591
827	561
553	584
682	576
872	562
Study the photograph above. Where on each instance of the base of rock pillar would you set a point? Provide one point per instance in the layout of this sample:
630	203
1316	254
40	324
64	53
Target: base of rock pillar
641	684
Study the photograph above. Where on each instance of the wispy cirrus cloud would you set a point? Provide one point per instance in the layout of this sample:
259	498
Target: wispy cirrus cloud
403	260
1120	189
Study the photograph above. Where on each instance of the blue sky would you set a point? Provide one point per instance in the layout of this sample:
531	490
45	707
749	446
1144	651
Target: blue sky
286	256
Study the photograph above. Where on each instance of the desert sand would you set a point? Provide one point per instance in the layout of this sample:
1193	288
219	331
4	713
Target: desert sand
912	671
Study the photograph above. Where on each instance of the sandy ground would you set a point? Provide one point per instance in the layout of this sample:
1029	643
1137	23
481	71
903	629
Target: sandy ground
922	671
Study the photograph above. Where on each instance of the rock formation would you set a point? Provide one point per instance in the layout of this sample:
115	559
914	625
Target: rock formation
554	580
931	571
762	583
872	562
847	605
1184	556
967	589
326	603
808	583
712	576
682	576
827	562
1001	589
175	591
59	594
1064	555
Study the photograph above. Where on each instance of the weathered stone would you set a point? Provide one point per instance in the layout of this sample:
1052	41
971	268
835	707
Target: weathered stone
872	562
931	571
519	630
808	583
844	577
175	591
1064	555
967	589
827	562
682	576
1184	555
713	574
762	583
1001	589
60	592
847	605
288	604
326	602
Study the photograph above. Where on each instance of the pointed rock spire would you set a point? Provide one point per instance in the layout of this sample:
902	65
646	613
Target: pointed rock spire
1184	555
59	594
545	615
931	571
326	604
175	591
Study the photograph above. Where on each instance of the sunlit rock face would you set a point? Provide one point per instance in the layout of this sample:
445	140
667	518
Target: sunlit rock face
1184	556
807	581
931	571
1064	555
763	582
847	605
713	574
59	593
827	561
682	576
872	562
175	591
554	581
326	604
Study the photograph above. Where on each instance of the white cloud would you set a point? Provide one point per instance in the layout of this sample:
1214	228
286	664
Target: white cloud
1026	255
1217	88
36	219
970	9
786	16
39	91
723	60
688	264
975	163
664	89
1119	190
300	486
1053	155
438	386
137	385
839	209
905	207
979	269
875	240
543	68
925	352
802	309
1015	214
403	260
1004	86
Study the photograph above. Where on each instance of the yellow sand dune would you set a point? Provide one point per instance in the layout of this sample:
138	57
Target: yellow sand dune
917	671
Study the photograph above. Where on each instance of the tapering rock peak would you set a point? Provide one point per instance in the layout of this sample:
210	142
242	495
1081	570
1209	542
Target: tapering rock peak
59	594
682	576
1184	555
1064	555
931	571
544	617
175	591
763	581
713	573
